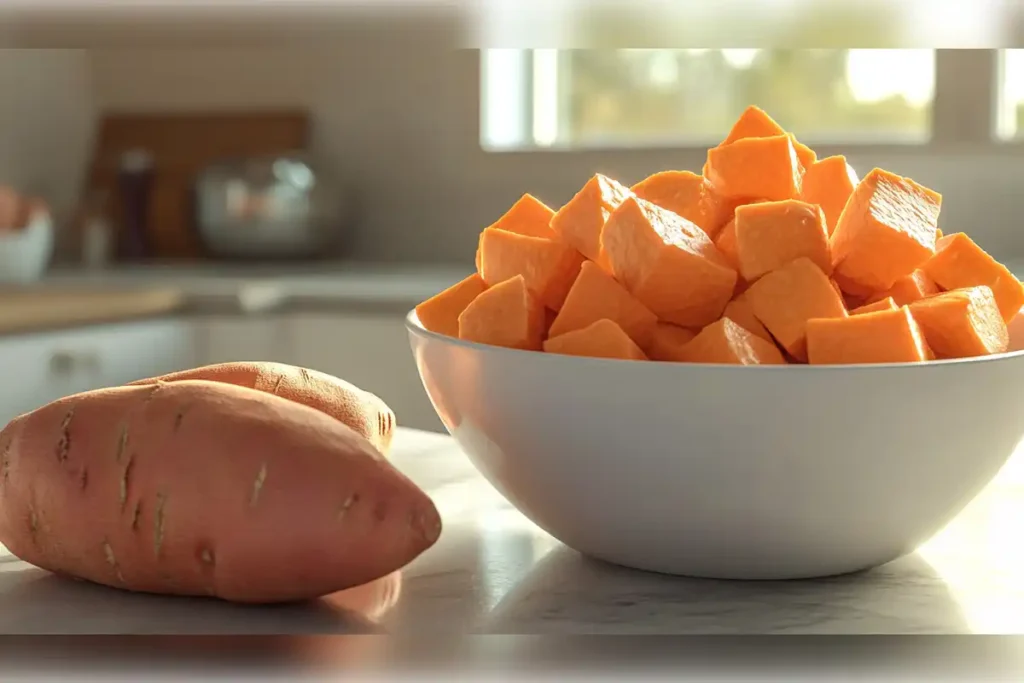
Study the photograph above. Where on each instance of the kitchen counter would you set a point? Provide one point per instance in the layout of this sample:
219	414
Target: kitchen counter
495	572
253	288
220	290
243	289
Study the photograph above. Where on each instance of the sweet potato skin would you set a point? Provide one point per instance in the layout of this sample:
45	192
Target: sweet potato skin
205	488
364	412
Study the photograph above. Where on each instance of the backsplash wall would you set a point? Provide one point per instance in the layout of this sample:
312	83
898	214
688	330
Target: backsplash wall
47	117
399	121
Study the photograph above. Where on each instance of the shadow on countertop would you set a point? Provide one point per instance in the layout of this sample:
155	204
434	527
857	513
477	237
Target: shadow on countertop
36	602
567	593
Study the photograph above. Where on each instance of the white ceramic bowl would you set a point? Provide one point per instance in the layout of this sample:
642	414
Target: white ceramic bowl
723	471
25	254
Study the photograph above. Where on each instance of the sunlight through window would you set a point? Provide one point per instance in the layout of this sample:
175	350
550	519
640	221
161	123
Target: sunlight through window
637	97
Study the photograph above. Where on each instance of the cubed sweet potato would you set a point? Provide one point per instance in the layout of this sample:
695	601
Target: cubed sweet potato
771	234
667	341
688	195
785	299
756	167
440	313
601	339
507	314
891	336
962	323
959	262
580	222
597	295
886	231
668	263
829	183
548	266
726	342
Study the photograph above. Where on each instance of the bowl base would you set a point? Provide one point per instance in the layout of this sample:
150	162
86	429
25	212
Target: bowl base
746	573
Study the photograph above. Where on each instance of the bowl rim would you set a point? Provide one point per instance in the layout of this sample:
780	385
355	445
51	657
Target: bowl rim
414	326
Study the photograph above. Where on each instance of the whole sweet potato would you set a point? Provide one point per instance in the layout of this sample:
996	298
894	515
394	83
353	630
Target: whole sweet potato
205	488
368	415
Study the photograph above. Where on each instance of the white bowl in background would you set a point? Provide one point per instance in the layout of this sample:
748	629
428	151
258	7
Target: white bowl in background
25	253
734	472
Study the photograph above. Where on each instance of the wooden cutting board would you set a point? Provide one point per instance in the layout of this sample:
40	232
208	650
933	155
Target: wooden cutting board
181	146
24	311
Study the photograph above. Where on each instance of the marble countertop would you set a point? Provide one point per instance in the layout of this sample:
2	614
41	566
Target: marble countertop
493	571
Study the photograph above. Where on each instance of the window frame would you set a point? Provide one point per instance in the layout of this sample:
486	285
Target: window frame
964	115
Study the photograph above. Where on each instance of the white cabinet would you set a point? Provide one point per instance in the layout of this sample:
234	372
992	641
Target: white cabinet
223	339
42	367
369	350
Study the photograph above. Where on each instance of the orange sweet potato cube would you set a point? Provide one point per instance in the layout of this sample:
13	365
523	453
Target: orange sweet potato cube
667	341
909	289
879	337
753	122
726	244
829	183
771	234
740	312
962	323
724	341
767	168
688	195
785	299
507	314
528	216
600	339
596	295
580	222
805	154
850	289
886	231
960	263
440	313
668	263
548	266
886	304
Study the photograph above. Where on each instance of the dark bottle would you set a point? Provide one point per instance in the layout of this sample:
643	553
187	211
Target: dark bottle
135	181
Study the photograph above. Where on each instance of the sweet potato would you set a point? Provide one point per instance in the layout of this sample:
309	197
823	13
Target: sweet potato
688	195
785	299
581	220
548	266
601	339
669	264
597	295
960	263
829	184
886	231
506	315
891	336
440	313
368	415
771	234
726	342
205	488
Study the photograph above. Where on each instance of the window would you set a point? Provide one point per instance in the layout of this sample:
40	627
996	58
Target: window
596	98
600	99
1010	115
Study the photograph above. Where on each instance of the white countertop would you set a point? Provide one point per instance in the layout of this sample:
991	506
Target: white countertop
495	572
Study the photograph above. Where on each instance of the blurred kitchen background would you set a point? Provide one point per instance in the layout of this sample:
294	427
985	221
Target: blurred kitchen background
171	202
